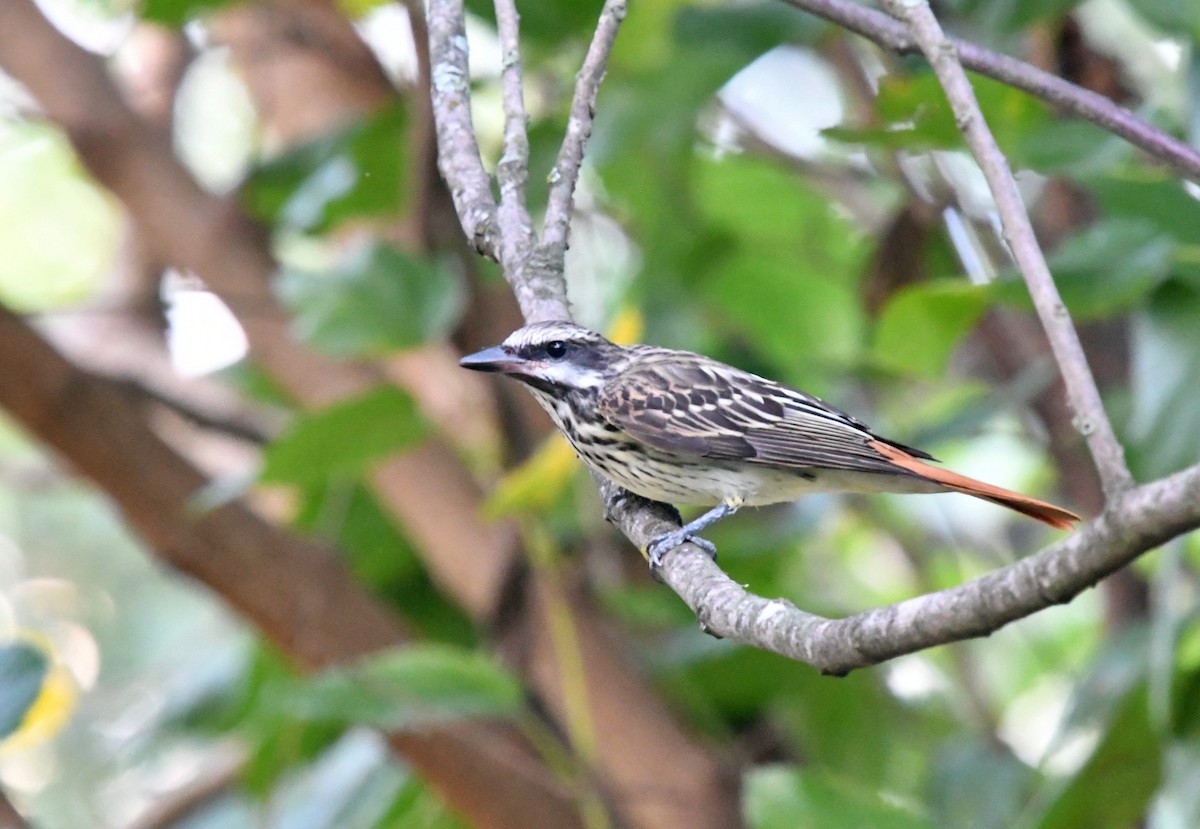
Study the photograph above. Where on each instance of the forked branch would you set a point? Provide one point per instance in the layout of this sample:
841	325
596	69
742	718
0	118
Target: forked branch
1135	520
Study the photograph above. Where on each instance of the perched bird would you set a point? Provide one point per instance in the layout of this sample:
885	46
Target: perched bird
681	428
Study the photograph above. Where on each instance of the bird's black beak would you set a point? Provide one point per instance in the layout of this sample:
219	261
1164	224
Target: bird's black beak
492	359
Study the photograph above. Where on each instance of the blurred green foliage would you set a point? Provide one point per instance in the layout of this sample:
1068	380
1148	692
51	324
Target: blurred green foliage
376	300
767	260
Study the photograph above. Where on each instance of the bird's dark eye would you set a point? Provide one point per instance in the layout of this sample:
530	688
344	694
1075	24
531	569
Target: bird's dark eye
556	350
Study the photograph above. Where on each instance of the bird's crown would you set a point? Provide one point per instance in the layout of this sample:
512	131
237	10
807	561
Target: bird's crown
537	336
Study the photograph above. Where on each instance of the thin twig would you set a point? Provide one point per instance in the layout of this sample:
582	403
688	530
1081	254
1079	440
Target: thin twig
538	286
517	237
892	35
512	171
1091	419
556	229
458	156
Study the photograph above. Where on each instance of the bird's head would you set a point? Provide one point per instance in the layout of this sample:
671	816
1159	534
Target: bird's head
552	357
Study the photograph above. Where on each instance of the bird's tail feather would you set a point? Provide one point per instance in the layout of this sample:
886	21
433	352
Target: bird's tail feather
1056	517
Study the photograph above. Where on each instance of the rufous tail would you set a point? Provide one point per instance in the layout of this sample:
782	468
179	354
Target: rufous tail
1056	517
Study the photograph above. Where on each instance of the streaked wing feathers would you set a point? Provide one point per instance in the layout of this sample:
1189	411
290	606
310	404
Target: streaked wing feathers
686	404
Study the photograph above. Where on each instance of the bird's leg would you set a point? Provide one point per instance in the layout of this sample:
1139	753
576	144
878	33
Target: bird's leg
660	546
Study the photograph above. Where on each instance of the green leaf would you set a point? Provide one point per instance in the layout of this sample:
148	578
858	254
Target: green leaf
175	13
1111	266
357	171
1073	146
1107	268
795	317
377	301
916	115
781	797
338	442
418	806
377	553
547	24
1152	196
921	325
1165	414
411	687
785	270
990	18
754	27
23	669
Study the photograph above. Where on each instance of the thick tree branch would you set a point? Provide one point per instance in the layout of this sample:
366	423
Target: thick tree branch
892	35
1134	522
560	203
1091	419
517	237
450	86
322	619
422	488
512	171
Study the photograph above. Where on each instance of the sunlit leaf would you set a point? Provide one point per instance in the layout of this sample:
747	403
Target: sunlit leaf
379	300
45	194
411	687
341	440
1177	802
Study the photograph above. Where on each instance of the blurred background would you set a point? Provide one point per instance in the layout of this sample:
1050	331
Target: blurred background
268	558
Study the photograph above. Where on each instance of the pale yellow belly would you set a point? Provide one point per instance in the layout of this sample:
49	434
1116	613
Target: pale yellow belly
707	485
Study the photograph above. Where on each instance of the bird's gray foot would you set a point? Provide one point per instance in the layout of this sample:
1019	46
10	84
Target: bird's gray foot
659	547
662	545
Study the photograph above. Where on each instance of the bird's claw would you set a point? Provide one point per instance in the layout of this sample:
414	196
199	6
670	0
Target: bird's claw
662	545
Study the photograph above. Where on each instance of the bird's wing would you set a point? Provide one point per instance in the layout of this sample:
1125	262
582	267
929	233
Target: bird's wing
687	404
